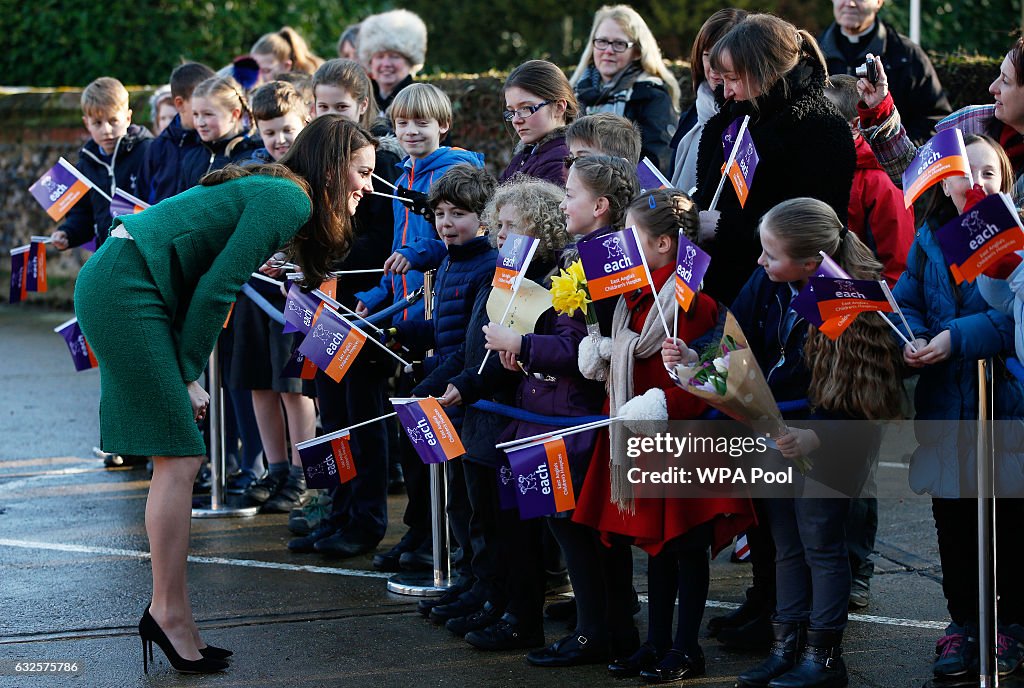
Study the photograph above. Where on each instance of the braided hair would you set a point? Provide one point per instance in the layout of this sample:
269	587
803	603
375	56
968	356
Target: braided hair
664	212
228	94
611	178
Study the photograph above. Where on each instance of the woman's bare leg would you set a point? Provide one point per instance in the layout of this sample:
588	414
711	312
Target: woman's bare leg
168	521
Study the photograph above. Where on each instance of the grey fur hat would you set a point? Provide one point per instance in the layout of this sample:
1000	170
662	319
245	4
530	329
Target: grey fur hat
399	31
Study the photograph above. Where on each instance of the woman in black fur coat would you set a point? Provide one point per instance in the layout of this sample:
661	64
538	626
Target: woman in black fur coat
775	74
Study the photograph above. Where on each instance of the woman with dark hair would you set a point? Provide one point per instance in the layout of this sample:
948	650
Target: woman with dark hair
539	103
621	71
152	302
1003	120
776	75
707	88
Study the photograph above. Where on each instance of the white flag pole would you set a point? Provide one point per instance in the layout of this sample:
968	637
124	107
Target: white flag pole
728	165
515	290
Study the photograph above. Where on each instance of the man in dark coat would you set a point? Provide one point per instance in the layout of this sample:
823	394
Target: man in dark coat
913	82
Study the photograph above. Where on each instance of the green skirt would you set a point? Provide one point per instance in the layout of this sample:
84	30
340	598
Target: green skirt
144	404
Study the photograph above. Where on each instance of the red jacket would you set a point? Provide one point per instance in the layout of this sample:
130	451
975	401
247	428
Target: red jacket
656	522
877	214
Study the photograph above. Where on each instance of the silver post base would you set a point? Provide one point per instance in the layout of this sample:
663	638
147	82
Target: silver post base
224	511
416	585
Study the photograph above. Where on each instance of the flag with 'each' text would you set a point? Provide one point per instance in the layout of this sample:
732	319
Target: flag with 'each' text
514	258
431	432
327	461
977	239
744	164
691	266
943	156
613	263
333	344
541	478
81	355
123	203
60	188
838	297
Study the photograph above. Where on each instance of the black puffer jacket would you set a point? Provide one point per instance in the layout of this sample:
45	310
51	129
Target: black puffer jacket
122	169
196	163
805	149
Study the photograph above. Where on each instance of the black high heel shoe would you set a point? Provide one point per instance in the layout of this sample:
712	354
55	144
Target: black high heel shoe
150	632
214	652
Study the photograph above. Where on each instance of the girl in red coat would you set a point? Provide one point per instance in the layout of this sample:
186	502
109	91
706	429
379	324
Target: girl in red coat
676	533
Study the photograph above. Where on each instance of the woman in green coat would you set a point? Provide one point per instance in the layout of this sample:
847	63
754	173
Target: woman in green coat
151	303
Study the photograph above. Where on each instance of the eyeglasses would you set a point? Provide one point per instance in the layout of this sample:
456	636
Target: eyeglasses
616	46
524	112
569	160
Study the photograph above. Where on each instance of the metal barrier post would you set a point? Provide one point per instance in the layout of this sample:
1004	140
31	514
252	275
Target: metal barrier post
987	592
431	585
217	508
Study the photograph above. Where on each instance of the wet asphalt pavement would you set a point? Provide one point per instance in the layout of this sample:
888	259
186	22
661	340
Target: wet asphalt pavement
74	577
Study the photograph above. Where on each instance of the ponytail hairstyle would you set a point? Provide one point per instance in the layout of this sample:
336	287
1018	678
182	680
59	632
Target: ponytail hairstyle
228	94
350	76
664	212
859	374
318	162
288	46
612	178
764	48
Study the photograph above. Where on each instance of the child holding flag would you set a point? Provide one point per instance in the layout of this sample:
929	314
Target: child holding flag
111	159
598	191
853	378
676	533
954	327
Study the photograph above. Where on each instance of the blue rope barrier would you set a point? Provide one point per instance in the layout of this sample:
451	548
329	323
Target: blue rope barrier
264	305
1015	368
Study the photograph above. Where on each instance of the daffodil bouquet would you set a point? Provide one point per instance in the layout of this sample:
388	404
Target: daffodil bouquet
569	293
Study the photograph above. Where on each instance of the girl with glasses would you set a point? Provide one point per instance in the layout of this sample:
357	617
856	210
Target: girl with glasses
622	72
539	103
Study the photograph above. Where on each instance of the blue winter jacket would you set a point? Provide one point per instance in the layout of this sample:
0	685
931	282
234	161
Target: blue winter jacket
414	237
90	217
162	166
948	391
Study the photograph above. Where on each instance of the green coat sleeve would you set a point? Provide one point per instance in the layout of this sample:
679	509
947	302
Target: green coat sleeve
267	222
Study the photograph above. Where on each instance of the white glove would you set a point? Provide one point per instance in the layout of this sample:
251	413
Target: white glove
594	354
646	414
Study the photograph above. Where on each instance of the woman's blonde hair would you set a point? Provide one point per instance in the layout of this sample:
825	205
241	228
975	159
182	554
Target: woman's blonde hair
868	383
226	93
634	26
763	49
288	45
537	202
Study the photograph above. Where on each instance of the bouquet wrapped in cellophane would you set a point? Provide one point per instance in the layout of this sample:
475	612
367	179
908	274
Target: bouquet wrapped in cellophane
728	378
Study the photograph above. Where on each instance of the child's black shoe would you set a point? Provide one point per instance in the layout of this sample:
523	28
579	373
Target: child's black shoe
507	634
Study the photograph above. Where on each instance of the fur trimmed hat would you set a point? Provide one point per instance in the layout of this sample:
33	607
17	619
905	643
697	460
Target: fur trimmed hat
399	31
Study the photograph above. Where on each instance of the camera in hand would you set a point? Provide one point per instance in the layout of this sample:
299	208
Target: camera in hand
868	70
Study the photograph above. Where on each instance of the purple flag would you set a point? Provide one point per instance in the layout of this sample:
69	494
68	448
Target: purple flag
542	481
506	486
332	344
650	177
81	354
514	257
327	461
944	156
977	239
805	303
691	266
59	189
613	263
840	300
429	429
301	310
123	203
19	274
